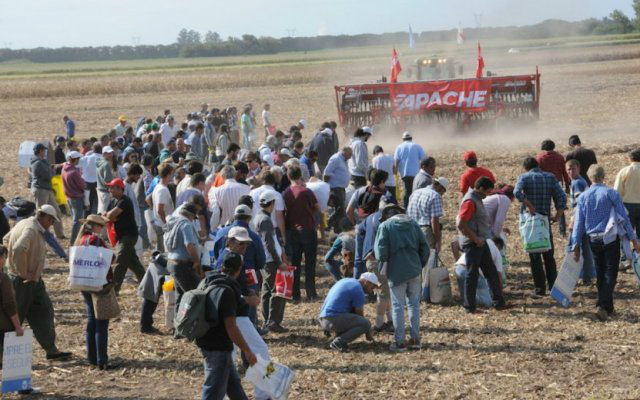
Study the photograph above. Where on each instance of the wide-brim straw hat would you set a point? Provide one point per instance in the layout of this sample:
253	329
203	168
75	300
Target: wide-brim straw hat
95	219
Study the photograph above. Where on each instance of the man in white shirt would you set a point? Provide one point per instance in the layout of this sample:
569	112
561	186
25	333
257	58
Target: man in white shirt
89	174
169	129
385	162
266	119
162	202
268	179
223	200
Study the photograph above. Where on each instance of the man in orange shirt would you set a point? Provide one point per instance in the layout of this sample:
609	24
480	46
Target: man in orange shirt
473	172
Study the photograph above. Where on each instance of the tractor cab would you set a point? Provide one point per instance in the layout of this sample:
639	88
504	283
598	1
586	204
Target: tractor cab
436	67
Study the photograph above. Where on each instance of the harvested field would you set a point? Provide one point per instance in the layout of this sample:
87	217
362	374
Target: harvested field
536	350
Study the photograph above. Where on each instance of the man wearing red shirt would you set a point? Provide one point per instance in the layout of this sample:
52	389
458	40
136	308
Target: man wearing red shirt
551	161
301	205
473	172
475	228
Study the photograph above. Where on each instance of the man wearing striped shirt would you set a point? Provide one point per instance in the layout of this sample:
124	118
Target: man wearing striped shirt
425	207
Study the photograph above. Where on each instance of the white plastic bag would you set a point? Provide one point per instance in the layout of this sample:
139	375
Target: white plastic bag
273	378
151	230
88	267
534	230
567	278
207	259
439	282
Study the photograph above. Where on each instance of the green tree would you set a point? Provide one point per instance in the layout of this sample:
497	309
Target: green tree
622	21
636	9
212	37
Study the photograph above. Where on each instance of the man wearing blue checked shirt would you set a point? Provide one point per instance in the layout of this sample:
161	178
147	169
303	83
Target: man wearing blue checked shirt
593	212
535	189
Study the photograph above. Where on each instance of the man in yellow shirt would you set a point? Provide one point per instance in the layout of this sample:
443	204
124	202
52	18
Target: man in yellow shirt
628	185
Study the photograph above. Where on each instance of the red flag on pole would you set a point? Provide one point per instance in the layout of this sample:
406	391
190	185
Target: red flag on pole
395	66
480	63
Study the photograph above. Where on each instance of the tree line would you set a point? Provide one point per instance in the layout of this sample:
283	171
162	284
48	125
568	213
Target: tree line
190	43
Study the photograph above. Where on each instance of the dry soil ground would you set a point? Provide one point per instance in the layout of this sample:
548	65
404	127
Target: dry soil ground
535	350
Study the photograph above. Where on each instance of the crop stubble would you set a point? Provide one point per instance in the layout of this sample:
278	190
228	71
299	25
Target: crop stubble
535	350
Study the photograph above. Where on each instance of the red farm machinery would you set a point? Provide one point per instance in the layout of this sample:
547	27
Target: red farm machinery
462	103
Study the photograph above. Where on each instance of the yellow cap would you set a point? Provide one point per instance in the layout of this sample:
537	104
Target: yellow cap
122	118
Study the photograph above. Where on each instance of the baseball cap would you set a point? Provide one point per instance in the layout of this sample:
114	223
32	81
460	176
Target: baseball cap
444	182
60	139
122	118
267	197
371	277
367	130
107	149
232	260
239	233
286	152
242	210
469	155
303	122
117	182
73	155
49	210
271	141
406	135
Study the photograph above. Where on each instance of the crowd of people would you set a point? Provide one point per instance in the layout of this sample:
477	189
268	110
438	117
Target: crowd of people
204	185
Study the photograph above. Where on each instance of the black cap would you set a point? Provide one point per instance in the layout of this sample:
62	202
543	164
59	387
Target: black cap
232	261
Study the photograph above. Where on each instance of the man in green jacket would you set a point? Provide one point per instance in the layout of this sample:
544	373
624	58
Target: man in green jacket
402	251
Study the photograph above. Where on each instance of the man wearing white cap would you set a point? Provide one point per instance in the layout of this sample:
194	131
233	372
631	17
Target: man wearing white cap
266	148
425	207
407	157
302	124
104	175
269	181
25	263
359	161
272	305
343	310
74	186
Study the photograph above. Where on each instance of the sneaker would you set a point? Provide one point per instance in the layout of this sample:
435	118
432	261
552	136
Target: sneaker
263	331
602	314
398	348
386	327
536	295
338	344
414	344
108	367
59	356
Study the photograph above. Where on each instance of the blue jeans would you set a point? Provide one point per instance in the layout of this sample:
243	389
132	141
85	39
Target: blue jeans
607	258
97	335
359	266
588	267
483	294
409	290
77	213
221	377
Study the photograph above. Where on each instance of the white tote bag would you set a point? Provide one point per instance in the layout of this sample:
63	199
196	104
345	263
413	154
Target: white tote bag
88	267
534	230
151	230
439	282
273	378
207	259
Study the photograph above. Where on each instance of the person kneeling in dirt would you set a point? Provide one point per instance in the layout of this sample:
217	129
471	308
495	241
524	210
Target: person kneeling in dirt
343	310
345	244
220	375
483	293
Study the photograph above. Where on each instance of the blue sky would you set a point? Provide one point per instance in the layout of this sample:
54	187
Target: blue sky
55	23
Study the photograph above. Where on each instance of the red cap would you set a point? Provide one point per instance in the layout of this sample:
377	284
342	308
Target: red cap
117	182
469	155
